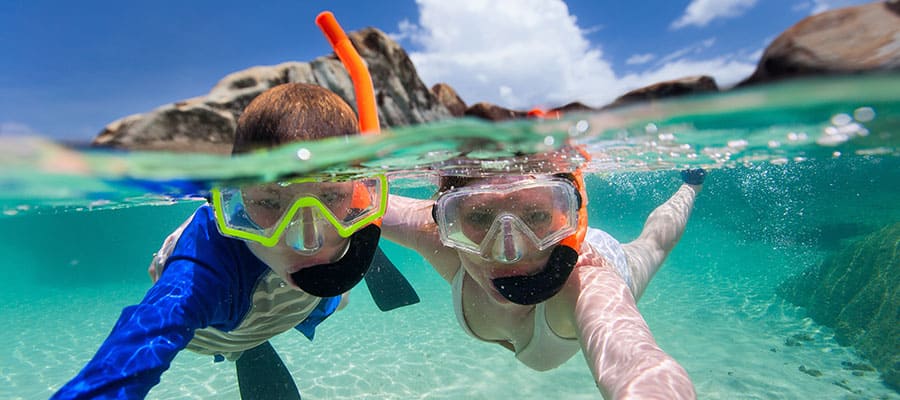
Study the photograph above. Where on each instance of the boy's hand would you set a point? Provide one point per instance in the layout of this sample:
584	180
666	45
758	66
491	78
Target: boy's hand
693	176
159	258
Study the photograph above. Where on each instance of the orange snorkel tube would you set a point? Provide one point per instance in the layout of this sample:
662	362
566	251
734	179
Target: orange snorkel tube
359	74
362	82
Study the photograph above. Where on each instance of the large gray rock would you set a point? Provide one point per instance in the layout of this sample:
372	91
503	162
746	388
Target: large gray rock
856	39
856	292
207	123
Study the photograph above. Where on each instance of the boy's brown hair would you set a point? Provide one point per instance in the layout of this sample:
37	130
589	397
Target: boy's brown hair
293	112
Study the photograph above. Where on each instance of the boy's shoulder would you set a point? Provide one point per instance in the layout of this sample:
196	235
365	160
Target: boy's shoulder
201	241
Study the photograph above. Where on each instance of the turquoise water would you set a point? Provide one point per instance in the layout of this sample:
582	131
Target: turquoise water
796	172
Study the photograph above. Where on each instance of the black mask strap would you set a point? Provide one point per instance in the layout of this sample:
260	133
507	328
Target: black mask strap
532	289
328	280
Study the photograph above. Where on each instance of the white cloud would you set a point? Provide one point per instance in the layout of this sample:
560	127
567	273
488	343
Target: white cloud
638	59
16	129
702	12
818	6
525	55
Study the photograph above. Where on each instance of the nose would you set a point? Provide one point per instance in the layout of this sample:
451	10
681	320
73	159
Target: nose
305	235
508	248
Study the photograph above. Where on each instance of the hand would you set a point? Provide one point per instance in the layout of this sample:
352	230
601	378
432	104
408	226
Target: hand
159	258
693	176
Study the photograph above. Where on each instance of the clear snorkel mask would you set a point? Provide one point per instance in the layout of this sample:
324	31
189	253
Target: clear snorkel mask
503	221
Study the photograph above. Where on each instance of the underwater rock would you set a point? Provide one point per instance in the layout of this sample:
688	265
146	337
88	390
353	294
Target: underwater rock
809	371
856	292
206	123
863	38
450	99
677	87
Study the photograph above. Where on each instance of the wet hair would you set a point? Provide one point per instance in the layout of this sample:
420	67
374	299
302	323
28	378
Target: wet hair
293	112
448	182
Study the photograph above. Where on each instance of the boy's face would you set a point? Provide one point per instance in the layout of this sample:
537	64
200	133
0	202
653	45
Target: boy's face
285	260
298	224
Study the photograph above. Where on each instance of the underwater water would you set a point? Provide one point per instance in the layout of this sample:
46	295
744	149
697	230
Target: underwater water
796	173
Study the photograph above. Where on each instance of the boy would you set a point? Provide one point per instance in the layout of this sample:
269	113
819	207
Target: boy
258	261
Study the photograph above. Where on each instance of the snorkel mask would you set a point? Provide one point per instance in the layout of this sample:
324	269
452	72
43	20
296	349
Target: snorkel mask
298	211
500	222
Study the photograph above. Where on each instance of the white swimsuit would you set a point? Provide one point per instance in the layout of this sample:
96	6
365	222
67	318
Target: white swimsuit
547	350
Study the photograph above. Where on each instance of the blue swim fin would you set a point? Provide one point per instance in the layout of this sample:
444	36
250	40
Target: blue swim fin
388	286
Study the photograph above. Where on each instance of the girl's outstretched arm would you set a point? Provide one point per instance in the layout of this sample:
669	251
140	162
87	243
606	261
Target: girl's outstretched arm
661	232
623	356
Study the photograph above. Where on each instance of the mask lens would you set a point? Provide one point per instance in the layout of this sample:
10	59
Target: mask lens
262	213
542	211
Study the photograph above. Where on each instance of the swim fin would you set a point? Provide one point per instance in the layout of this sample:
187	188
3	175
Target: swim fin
388	286
262	375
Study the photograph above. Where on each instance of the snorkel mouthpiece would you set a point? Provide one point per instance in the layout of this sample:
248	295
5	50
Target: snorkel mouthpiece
533	289
333	279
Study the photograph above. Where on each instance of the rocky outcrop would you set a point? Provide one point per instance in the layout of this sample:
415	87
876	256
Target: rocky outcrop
448	97
856	39
849	40
679	87
492	112
857	293
207	123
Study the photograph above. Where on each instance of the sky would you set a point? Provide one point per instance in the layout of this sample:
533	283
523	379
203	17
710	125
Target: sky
68	68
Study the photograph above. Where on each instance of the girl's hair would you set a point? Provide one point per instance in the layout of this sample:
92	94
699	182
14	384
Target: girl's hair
293	112
447	182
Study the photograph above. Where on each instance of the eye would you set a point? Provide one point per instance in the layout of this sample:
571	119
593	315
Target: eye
480	218
333	197
537	217
267	204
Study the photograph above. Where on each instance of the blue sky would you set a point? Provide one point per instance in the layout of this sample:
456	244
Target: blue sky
70	67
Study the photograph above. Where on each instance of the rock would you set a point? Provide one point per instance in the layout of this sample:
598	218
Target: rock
856	292
678	87
493	112
190	124
207	123
849	40
574	107
809	371
448	97
235	91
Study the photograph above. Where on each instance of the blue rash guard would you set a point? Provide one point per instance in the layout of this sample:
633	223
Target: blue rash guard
208	282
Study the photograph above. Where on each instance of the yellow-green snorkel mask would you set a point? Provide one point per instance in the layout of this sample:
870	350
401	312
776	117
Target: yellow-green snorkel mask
302	208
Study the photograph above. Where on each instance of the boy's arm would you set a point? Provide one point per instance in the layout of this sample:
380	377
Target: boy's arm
616	342
147	336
